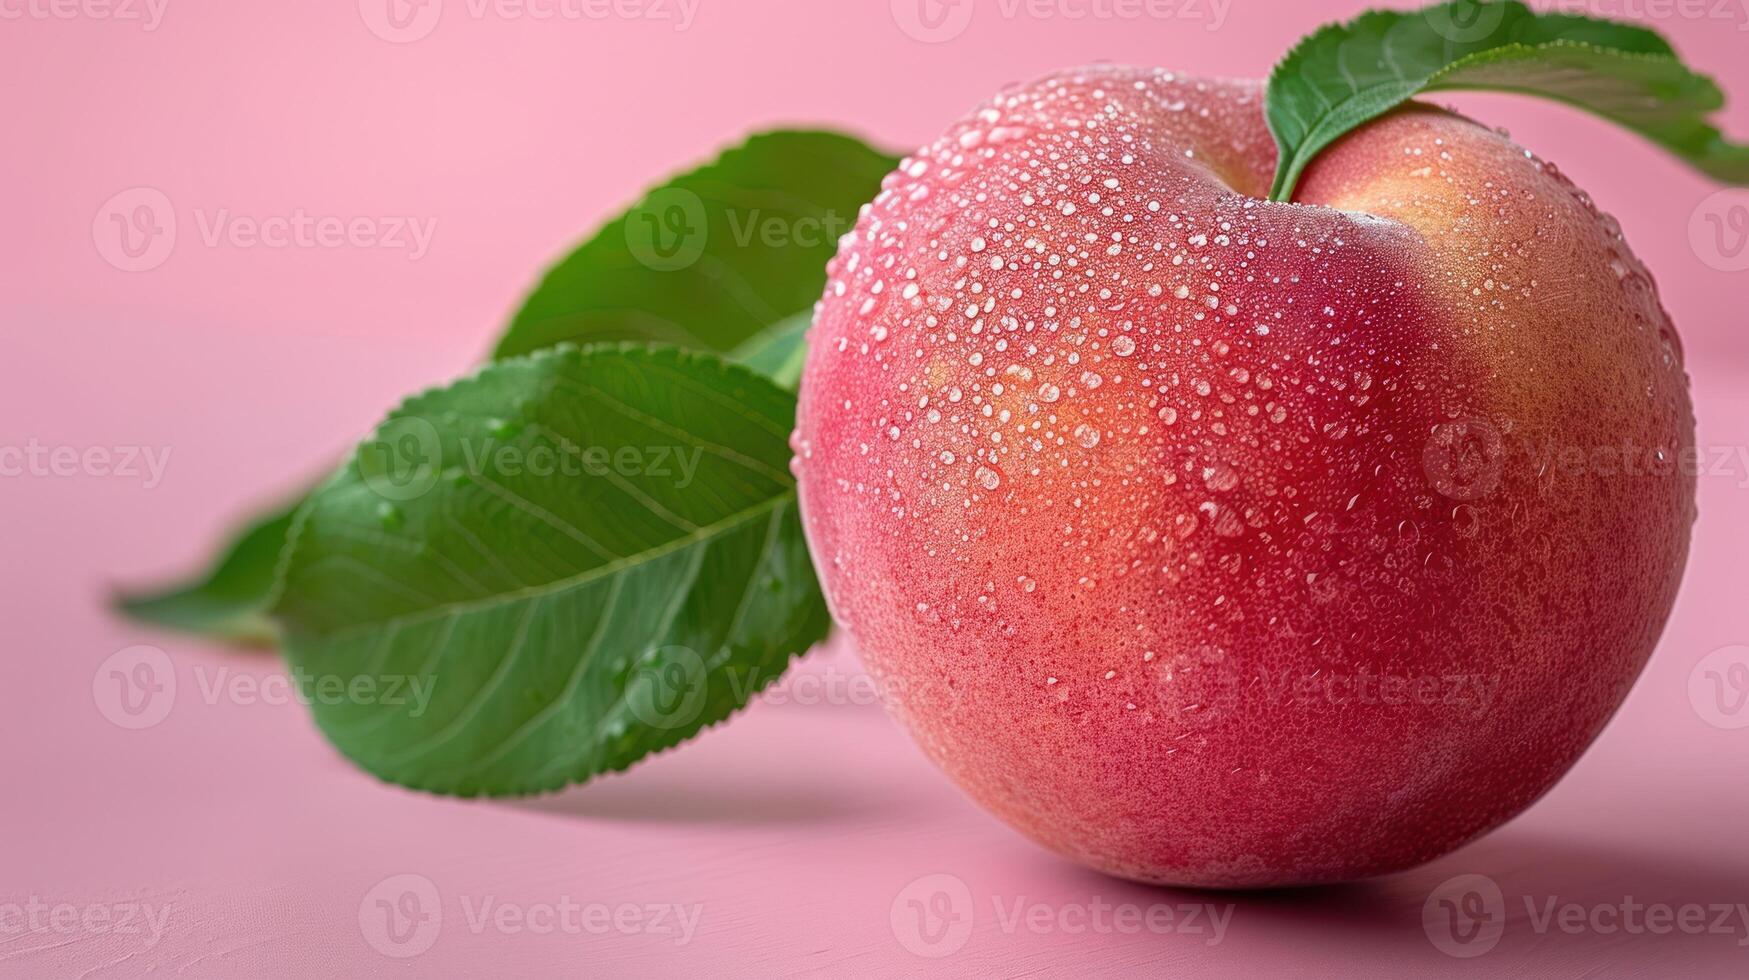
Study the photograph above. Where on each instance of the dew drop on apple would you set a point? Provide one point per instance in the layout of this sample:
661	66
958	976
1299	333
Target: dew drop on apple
1465	520
1220	477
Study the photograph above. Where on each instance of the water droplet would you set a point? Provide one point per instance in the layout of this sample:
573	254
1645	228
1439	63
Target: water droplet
1220	477
1465	520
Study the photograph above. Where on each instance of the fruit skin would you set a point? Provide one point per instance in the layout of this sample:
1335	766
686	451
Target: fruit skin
1428	424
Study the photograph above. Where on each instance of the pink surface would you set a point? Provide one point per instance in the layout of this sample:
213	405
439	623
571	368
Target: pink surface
801	833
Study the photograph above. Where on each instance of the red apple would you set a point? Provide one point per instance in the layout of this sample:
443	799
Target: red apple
1218	541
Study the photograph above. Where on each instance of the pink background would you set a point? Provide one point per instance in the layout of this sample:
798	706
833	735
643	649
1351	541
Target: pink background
797	829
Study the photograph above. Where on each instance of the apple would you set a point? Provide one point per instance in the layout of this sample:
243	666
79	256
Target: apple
1216	541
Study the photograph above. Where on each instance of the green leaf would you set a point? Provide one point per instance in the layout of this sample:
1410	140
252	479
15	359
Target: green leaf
1343	75
713	257
230	601
564	622
773	209
779	350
